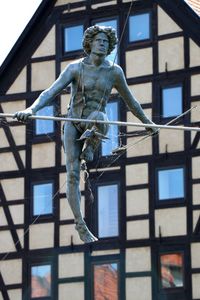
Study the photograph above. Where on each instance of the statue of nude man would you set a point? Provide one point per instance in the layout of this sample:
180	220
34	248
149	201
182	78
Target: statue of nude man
92	79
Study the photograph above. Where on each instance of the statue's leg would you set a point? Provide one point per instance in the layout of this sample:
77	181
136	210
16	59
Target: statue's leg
91	144
73	150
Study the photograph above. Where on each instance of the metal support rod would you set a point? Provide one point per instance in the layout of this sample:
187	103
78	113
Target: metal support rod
118	123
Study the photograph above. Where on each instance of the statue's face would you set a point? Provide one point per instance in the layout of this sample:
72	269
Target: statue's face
100	44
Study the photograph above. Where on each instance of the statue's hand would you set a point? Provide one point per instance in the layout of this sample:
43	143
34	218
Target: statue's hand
152	131
23	115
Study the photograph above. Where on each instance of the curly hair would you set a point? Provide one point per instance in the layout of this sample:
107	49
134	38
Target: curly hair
90	32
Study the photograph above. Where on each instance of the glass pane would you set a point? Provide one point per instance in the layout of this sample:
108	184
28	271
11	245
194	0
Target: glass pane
42	199
44	126
106	282
171	183
171	270
139	27
113	24
108	211
73	38
171	101
40	281
113	142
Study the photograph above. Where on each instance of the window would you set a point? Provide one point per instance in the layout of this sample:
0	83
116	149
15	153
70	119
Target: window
171	183
106	280
139	27
108	211
44	126
171	270
73	38
41	281
171	101
113	142
42	199
113	23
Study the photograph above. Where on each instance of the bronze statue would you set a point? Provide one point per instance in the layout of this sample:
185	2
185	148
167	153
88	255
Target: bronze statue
92	79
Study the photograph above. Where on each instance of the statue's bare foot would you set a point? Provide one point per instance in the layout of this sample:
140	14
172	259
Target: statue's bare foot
85	235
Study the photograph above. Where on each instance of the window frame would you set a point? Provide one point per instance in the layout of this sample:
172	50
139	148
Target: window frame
41	135
41	216
41	262
101	260
177	293
168	86
171	202
72	53
169	251
143	41
96	212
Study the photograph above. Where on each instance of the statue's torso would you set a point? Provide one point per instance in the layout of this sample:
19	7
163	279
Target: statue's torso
90	89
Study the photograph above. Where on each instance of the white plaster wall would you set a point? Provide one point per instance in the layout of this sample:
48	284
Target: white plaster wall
11	271
173	221
43	155
17	213
13	106
71	265
195	255
74	291
13	188
137	174
66	233
195	286
43	75
195	86
41	236
196	194
47	46
137	230
195	167
174	139
139	62
7	162
165	23
142	92
19	134
171	51
138	259
194	54
19	85
137	202
15	294
136	148
138	288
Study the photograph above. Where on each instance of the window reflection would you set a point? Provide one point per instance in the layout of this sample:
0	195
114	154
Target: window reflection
139	27
171	101
108	211
113	141
44	126
42	199
171	270
73	38
171	184
40	281
106	282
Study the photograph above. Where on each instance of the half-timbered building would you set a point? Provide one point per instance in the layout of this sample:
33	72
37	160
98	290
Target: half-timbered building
146	209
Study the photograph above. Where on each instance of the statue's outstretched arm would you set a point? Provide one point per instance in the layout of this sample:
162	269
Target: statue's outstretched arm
45	98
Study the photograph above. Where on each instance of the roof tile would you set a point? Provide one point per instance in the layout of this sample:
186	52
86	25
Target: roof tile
195	4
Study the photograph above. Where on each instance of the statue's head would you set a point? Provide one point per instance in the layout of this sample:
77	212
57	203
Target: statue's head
90	33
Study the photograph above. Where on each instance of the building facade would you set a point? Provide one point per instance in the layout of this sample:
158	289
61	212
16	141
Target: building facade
146	209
